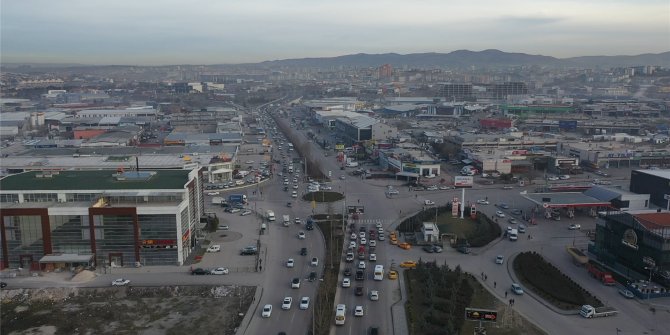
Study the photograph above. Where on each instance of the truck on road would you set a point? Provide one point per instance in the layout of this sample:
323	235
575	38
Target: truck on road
604	276
237	198
217	201
589	311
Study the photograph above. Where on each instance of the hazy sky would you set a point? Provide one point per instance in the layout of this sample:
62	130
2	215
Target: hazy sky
239	31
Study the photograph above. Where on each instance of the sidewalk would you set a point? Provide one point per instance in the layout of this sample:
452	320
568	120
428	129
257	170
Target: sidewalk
398	315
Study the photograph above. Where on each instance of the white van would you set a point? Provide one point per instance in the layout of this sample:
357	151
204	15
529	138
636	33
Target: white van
513	235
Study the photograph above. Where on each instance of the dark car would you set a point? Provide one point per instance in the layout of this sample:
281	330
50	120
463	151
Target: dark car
3	284
312	276
303	251
359	290
516	211
360	275
428	249
347	272
286	188
361	229
309	226
373	331
199	271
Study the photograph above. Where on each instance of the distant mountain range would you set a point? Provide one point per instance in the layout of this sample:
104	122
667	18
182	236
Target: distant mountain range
467	58
490	58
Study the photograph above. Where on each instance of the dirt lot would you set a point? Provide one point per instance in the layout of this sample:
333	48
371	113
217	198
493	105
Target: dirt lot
125	310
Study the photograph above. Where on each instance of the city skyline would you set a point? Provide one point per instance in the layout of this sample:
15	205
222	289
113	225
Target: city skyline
171	32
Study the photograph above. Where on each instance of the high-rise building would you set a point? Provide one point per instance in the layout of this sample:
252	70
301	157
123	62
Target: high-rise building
385	71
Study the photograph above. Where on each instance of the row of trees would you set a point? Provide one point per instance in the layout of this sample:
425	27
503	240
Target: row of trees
302	147
438	297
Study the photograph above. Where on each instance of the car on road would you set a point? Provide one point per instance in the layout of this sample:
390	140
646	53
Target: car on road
363	241
564	177
500	259
214	248
295	186
312	276
381	236
626	293
199	272
294	194
297	220
408	265
303	251
233	210
516	288
516	211
301	235
358	290
360	274
342	177
304	303
346	282
249	162
483	202
500	214
574	226
350	257
245	212
374	295
352	245
353	236
503	205
393	192
432	188
213	193
378	225
552	178
315	261
508	187
219	271
290	263
358	311
267	311
393	274
286	303
428	249
295	283
223	227
445	187
373	257
405	246
120	282
512	221
361	265
428	202
347	272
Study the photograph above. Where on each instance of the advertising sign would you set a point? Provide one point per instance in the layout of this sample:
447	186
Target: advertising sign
339	146
476	314
454	207
463	181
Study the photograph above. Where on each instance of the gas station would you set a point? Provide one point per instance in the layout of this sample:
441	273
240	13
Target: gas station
552	205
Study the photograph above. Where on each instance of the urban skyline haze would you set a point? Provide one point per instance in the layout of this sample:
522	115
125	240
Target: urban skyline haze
229	32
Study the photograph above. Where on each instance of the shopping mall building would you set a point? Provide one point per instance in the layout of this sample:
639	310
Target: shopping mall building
61	219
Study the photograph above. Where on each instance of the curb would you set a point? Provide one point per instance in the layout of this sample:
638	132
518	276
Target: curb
253	308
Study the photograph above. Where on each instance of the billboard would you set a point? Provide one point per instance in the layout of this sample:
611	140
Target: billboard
567	124
339	146
476	314
463	181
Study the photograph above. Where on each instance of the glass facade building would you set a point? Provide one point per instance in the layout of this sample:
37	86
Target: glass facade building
145	221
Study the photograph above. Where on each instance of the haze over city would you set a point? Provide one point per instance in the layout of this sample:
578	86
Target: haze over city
213	32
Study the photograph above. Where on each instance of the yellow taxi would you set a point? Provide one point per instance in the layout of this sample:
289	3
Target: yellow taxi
394	240
408	265
393	274
405	245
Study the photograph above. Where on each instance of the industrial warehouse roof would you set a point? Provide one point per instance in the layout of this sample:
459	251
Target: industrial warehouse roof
657	173
92	180
565	199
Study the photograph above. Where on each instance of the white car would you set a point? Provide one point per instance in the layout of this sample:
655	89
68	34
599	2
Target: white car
429	202
381	236
304	303
352	244
214	248
575	226
315	261
219	271
393	191
373	257
361	265
483	202
379	225
294	194
295	283
249	162
516	288
120	282
213	193
361	234
564	177
267	311
364	241
358	311
286	303
301	235
432	188
374	295
295	186
290	263
500	214
500	259
297	220
354	237
552	178
346	282
372	243
223	227
245	212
